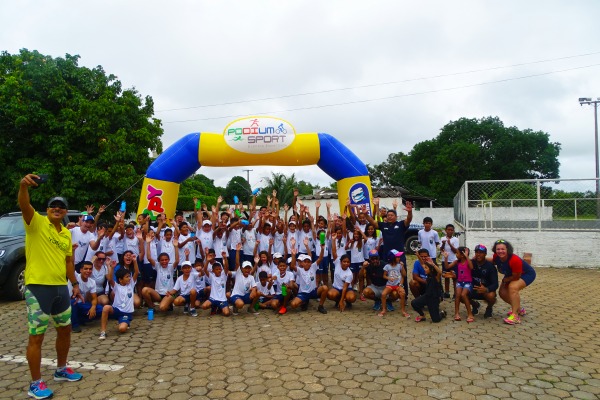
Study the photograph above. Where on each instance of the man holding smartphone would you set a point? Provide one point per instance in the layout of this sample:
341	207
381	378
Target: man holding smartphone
48	252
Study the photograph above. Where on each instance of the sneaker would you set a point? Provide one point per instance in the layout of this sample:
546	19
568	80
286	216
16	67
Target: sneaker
76	329
252	310
447	295
443	314
67	374
193	312
377	306
39	390
488	312
234	310
282	310
322	309
476	306
522	311
390	307
186	309
512	319
102	335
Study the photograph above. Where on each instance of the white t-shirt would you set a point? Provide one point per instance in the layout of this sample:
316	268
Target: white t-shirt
101	247
356	254
83	243
264	289
133	245
184	286
263	267
124	296
311	241
217	286
167	247
99	277
153	251
394	272
235	237
369	245
199	281
280	280
341	276
292	235
220	245
264	242
277	243
191	246
84	287
429	240
206	238
446	247
243	284
249	236
117	245
307	280
164	278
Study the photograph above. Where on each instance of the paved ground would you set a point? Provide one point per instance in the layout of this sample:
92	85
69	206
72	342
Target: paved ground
555	353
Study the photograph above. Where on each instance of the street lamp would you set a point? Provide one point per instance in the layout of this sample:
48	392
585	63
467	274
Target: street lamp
588	100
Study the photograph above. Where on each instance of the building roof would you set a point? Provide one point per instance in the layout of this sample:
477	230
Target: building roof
387	192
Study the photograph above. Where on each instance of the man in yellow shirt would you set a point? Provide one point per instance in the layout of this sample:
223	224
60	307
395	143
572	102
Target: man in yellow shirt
48	252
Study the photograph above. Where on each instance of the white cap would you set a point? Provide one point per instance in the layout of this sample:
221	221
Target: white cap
303	257
186	263
289	260
206	222
246	264
277	255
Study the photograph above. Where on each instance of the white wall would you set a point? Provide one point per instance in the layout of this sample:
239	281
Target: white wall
548	248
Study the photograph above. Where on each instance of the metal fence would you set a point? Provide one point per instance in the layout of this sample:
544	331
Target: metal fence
530	204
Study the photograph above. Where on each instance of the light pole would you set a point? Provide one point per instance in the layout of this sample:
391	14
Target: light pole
588	100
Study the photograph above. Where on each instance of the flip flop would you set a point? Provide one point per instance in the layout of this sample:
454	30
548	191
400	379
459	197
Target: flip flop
419	318
406	315
457	318
380	314
469	320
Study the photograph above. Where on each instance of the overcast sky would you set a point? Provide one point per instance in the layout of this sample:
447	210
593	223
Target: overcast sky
440	61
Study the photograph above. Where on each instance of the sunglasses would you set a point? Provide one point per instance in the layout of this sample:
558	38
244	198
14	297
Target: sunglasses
500	241
101	259
60	206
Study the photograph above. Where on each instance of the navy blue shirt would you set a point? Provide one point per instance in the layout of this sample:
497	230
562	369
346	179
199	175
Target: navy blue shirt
393	236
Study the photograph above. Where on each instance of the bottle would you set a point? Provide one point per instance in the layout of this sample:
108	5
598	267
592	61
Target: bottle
284	290
322	238
255	191
256	306
150	314
198	205
235	200
123	206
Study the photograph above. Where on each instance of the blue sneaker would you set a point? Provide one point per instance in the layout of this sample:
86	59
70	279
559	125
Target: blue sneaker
377	306
67	374
390	307
39	390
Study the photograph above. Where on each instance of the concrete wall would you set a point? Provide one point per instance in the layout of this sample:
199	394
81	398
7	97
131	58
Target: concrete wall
509	213
548	248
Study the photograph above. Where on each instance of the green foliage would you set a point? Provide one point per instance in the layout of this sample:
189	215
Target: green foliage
284	185
469	149
186	202
237	186
76	124
200	187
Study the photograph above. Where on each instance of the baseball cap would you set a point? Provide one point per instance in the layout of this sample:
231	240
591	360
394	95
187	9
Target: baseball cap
481	248
395	253
246	264
58	199
277	255
373	253
186	263
88	218
292	223
206	222
303	257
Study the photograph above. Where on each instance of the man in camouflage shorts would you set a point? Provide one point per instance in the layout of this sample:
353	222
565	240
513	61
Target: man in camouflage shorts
48	252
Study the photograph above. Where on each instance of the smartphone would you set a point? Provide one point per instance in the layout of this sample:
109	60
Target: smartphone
43	178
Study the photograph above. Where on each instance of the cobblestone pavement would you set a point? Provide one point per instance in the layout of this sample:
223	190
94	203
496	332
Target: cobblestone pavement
554	353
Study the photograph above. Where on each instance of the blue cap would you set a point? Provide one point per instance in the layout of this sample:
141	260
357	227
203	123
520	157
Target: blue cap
88	218
373	253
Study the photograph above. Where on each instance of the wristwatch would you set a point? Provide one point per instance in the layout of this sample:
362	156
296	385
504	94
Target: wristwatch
75	284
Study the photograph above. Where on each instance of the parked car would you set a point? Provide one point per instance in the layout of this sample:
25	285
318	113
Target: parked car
12	252
411	245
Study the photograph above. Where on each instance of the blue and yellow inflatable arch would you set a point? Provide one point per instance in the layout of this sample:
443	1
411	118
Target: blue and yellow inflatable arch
253	141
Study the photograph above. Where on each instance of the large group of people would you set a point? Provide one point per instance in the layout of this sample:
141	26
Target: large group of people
227	258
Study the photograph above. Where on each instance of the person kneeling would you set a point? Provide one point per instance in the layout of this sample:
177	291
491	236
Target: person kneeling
432	296
342	292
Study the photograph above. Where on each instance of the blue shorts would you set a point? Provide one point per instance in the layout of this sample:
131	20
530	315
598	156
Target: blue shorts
529	278
245	298
323	267
465	285
348	289
121	316
148	273
279	298
218	304
355	267
186	297
307	296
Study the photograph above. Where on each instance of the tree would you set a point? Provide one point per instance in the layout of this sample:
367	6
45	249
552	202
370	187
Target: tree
470	149
283	184
75	124
237	186
200	187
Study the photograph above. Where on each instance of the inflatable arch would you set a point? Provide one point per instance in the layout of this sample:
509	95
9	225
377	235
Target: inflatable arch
253	141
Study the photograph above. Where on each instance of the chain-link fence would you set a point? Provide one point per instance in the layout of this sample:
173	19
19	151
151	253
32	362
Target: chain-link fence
536	204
